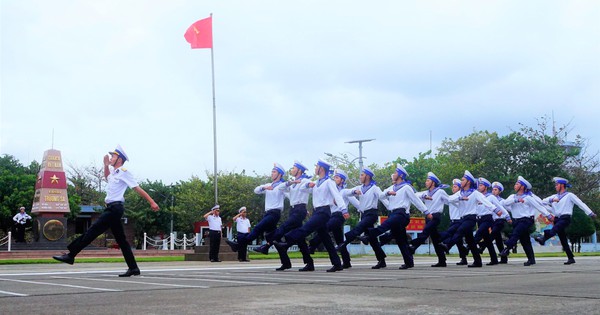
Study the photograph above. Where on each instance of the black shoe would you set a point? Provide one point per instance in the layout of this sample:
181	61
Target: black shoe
65	258
406	267
528	263
444	247
439	264
283	267
243	260
234	246
131	272
339	247
364	239
540	240
492	263
264	249
462	262
215	260
412	249
282	246
380	264
308	267
503	260
475	265
505	252
347	265
481	249
570	261
335	268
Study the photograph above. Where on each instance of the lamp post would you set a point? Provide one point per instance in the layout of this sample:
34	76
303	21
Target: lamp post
360	156
172	202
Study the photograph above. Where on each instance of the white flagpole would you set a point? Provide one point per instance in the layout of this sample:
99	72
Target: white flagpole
212	63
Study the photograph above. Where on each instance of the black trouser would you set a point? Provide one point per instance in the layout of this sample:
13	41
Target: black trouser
496	234
430	230
521	233
467	223
266	225
294	221
396	223
215	243
367	220
446	235
110	218
242	250
335	226
560	226
19	232
484	223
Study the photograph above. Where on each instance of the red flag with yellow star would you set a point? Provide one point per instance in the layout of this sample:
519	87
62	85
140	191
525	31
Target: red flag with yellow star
51	179
199	34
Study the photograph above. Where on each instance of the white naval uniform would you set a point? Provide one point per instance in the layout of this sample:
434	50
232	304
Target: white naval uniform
21	218
118	181
367	200
565	205
526	208
296	193
273	198
242	225
405	195
437	202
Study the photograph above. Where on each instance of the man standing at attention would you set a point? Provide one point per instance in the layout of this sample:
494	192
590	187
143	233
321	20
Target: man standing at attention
118	178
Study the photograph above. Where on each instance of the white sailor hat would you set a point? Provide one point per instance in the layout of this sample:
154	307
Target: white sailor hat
369	172
560	180
434	178
216	207
324	164
484	182
498	185
470	177
242	209
280	169
340	173
456	182
401	171
300	166
524	182
120	153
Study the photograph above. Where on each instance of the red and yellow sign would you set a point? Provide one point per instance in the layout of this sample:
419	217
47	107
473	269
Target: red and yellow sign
415	224
51	185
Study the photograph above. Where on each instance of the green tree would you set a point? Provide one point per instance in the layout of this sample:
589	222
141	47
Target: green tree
17	187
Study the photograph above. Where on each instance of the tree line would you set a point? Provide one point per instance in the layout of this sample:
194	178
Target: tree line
536	153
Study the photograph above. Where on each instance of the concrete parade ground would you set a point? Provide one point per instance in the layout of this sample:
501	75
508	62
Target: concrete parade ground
549	287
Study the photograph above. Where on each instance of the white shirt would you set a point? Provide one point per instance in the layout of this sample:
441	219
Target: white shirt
242	225
565	204
214	223
369	199
437	202
21	218
327	194
273	198
405	195
454	211
526	208
118	181
498	208
505	214
296	193
469	206
347	199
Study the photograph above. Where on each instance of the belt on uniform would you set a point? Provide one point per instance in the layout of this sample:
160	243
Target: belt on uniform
399	210
455	221
114	203
272	211
524	218
214	231
469	216
370	211
565	216
485	216
337	213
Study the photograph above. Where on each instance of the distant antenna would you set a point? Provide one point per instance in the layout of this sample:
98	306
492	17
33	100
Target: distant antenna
52	138
553	125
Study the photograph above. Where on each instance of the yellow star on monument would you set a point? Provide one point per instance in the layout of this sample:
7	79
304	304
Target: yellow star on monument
54	179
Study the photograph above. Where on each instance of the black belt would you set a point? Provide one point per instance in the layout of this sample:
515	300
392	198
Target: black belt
486	216
337	213
215	231
524	218
455	221
114	203
401	210
274	211
370	211
565	216
469	216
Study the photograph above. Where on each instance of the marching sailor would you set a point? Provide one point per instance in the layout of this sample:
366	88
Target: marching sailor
455	215
485	219
562	206
499	222
522	206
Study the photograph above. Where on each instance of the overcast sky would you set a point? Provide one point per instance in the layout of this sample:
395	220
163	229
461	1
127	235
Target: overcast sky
294	79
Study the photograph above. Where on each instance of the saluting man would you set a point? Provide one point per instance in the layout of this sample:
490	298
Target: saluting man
242	225
399	197
522	206
118	178
325	195
297	193
274	197
20	221
368	197
215	226
499	222
467	199
562	206
434	199
485	219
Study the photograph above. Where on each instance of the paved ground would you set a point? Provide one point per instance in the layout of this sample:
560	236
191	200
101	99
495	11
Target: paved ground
255	288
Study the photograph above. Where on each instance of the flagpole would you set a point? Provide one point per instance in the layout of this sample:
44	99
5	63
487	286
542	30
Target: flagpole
212	64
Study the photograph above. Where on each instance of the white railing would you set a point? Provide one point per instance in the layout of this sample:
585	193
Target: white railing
170	242
6	240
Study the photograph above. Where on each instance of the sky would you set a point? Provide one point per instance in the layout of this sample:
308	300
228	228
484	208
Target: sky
293	79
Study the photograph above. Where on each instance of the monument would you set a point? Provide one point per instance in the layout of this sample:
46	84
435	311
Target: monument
50	203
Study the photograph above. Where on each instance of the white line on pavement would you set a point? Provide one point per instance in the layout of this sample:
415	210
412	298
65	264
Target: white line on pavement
137	282
215	280
13	293
61	285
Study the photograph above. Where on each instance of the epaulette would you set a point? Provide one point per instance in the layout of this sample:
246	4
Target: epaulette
123	169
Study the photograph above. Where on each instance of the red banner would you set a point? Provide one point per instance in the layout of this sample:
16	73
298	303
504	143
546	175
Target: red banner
51	179
415	224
